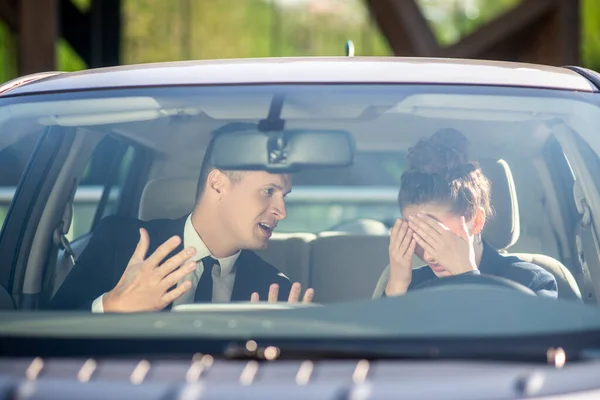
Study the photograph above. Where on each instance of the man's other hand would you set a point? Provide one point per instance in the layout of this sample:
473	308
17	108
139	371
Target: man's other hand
294	296
145	283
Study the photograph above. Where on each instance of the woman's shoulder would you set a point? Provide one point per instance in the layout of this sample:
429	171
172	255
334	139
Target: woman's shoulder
528	274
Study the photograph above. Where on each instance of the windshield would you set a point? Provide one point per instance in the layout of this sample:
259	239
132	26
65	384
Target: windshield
114	204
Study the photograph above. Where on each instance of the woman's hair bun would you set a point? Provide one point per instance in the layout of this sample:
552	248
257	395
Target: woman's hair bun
445	153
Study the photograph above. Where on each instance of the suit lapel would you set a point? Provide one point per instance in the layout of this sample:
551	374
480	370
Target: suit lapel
247	279
162	230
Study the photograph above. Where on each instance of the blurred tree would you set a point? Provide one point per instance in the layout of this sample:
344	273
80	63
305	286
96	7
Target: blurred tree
590	40
67	59
160	30
8	59
155	30
451	20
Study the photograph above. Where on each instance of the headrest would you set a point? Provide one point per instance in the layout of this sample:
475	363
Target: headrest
168	198
502	229
362	226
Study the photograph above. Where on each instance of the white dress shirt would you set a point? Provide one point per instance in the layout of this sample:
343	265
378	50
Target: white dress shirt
223	275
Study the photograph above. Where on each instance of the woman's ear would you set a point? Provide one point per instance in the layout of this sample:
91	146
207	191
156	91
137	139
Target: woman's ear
478	220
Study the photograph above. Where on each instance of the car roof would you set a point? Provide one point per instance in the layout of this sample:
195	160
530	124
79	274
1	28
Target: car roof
311	70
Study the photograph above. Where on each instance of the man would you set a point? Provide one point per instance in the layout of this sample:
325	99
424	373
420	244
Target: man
130	265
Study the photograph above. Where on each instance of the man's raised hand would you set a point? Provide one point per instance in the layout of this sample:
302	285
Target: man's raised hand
294	296
145	283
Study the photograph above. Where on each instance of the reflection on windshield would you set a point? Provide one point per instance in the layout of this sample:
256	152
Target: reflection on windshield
450	188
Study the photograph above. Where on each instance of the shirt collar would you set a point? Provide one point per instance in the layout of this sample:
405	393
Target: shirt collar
192	238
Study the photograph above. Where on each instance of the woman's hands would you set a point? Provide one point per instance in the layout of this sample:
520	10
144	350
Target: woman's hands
401	250
453	251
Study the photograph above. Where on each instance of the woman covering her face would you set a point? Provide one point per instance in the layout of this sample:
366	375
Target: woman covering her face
445	200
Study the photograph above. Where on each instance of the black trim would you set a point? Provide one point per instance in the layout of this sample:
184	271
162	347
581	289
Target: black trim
587	74
94	89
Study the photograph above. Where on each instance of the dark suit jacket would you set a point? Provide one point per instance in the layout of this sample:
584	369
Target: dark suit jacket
102	263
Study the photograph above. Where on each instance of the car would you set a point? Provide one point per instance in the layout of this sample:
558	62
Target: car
129	141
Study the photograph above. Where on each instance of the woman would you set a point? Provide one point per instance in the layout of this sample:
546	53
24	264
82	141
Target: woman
445	199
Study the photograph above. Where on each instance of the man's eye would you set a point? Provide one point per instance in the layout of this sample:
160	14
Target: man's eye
269	191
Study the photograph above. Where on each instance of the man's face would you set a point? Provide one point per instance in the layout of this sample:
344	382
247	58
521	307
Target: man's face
253	205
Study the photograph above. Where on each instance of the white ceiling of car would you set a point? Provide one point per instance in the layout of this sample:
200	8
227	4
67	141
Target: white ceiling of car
179	127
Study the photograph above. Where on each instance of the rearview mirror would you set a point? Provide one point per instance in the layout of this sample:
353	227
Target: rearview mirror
282	152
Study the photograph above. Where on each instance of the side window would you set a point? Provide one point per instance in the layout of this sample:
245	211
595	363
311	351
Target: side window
99	192
13	160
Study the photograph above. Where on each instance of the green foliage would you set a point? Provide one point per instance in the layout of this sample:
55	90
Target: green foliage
590	39
172	30
451	20
8	61
157	30
82	5
67	59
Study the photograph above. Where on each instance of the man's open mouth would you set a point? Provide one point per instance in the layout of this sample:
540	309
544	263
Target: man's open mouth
267	228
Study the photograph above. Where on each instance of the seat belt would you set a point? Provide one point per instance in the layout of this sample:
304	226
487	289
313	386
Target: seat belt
59	238
584	239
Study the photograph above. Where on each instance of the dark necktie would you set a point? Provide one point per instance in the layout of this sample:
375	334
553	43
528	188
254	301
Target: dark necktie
204	289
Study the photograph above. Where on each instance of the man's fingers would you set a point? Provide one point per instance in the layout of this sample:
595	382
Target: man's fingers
177	275
308	295
273	293
176	293
254	298
163	251
177	260
295	293
141	249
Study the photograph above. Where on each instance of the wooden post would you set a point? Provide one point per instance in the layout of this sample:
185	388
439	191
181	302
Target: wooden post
37	36
537	31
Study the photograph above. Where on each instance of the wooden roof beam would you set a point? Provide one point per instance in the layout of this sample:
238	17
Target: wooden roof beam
37	36
405	27
498	30
9	13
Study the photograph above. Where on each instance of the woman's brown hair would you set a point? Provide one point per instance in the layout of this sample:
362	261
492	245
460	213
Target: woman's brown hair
440	172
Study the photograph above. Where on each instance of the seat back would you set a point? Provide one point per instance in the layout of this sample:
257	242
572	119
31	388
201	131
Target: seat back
567	286
290	253
502	229
347	266
170	198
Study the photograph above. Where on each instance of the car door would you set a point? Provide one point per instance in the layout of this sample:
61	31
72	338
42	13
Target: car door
37	152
